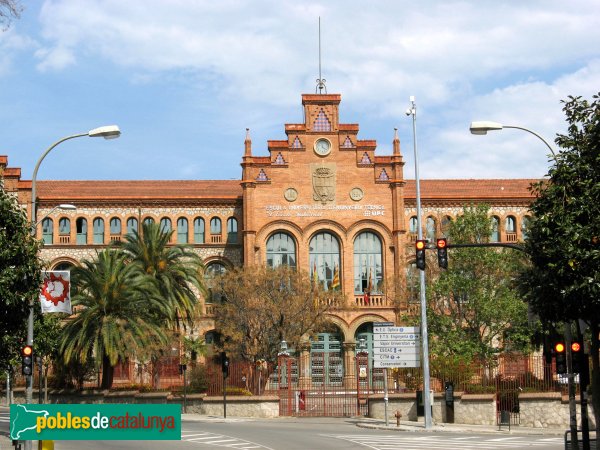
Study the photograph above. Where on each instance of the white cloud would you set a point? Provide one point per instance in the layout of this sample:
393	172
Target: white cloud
464	60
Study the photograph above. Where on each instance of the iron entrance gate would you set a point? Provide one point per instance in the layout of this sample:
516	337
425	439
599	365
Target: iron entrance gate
336	395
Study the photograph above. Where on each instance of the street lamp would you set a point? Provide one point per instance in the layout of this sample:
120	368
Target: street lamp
483	126
412	111
107	132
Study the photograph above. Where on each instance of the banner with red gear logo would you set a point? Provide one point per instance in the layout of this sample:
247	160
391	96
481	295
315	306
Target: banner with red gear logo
55	295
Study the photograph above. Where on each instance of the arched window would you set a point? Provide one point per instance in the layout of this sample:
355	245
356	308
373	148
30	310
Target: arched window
412	283
132	225
165	225
525	224
81	225
446	222
48	231
413	225
324	251
98	225
368	271
213	270
430	228
65	265
115	226
199	230
182	230
495	236
510	225
64	226
281	250
232	230
148	220
215	225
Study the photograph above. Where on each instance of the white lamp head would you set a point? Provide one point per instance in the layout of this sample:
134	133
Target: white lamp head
107	132
67	207
483	126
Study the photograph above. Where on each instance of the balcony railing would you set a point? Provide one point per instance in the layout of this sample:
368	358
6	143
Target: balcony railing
64	239
210	309
511	236
115	237
372	301
216	239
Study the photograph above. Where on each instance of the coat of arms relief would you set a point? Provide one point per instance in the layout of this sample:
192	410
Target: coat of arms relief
323	181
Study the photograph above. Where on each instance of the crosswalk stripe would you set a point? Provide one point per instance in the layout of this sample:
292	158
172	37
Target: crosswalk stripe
446	443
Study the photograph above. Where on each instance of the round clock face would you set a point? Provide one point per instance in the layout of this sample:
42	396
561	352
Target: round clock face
322	147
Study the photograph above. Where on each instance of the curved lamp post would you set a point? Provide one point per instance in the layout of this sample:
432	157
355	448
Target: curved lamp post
483	126
107	132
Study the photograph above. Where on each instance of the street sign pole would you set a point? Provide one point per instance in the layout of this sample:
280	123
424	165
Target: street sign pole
385	395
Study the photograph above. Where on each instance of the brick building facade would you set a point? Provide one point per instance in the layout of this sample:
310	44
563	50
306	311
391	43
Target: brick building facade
322	200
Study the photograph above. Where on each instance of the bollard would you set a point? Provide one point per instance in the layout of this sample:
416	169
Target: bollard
397	415
46	445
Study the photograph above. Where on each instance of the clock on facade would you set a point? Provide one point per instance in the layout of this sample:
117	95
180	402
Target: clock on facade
322	147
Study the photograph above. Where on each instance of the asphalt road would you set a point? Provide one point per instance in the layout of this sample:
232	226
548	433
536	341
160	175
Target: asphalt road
308	433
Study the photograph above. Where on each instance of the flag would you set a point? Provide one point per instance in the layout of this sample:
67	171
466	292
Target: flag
315	275
55	295
335	283
370	285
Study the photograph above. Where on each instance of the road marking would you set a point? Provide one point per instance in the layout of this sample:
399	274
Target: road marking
390	442
220	440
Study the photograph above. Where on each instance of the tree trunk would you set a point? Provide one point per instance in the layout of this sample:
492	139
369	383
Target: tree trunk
107	373
595	374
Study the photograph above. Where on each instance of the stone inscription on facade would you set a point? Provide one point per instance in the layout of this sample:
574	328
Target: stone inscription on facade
324	210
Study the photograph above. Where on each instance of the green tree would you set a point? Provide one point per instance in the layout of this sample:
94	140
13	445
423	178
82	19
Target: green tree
475	311
47	330
563	283
176	269
262	306
20	274
119	311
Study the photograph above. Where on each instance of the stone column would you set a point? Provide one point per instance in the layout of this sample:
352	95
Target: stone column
349	365
304	375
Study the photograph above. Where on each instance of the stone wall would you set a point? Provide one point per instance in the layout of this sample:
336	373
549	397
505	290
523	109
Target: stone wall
536	410
237	406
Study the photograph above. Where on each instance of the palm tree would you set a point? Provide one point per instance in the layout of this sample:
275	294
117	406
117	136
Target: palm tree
176	269
119	312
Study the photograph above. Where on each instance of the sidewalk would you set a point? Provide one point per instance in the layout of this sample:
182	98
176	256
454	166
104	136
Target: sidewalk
456	428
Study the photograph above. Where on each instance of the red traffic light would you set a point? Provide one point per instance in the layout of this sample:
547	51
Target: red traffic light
420	245
27	350
441	243
575	346
559	347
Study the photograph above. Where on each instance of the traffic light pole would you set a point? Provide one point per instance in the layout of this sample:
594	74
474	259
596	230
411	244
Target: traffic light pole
571	385
412	111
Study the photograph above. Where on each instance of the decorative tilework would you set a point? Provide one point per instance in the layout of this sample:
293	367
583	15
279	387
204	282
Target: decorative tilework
297	143
279	159
262	176
348	143
322	122
365	159
383	176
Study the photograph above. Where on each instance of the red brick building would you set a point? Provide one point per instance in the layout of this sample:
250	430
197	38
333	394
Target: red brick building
322	199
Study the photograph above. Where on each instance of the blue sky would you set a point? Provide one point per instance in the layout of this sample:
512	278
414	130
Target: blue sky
184	78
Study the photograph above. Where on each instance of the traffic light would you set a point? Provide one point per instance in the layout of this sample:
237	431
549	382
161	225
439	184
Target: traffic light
27	360
561	358
224	364
442	251
577	356
420	253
